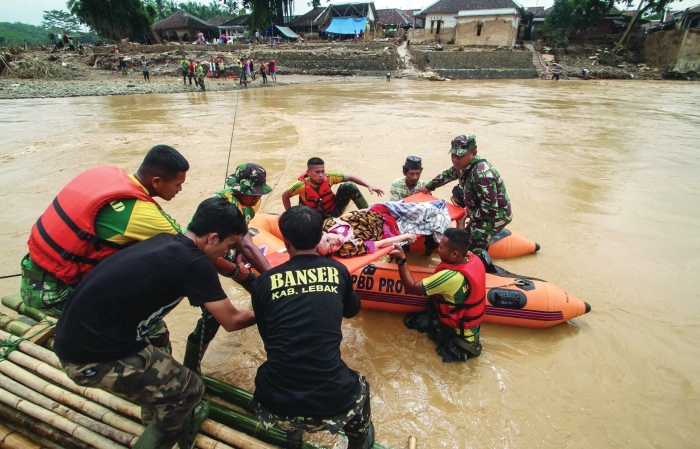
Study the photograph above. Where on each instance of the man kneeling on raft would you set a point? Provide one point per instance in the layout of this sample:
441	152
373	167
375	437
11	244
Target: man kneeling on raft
457	290
100	338
314	190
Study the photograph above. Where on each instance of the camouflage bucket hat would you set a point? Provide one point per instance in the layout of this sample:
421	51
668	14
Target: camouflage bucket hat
249	179
463	144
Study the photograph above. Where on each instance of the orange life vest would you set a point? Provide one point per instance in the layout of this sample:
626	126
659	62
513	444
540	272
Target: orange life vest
63	239
469	313
322	200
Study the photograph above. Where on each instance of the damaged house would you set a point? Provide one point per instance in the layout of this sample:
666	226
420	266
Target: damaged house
471	22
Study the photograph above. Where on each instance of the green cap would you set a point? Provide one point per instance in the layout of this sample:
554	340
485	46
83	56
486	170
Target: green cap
461	145
249	179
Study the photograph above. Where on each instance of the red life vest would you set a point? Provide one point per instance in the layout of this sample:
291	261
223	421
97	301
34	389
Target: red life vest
469	313
63	239
322	200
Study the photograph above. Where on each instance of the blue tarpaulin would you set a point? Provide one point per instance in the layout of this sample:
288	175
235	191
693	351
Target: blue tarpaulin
347	25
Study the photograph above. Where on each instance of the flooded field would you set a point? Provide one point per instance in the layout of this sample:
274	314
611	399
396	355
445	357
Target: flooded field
605	176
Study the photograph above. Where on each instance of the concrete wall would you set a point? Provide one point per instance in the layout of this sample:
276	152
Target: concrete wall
426	37
191	48
331	63
478	64
674	51
495	30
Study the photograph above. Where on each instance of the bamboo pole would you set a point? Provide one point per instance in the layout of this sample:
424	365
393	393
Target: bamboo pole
15	303
23	392
412	442
12	325
48	366
72	400
49	436
60	422
9	439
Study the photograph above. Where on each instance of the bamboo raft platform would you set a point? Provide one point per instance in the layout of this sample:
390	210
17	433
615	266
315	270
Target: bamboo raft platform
40	407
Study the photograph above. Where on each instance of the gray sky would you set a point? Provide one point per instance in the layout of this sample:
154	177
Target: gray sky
31	12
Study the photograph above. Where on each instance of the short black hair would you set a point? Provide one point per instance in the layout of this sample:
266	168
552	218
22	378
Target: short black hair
218	215
302	226
163	161
315	161
458	240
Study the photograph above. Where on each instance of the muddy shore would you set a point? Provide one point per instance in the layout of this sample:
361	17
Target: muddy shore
101	84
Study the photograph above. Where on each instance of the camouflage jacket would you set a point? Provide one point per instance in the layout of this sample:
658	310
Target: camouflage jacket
484	191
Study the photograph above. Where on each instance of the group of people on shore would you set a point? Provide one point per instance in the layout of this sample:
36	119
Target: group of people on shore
110	263
244	69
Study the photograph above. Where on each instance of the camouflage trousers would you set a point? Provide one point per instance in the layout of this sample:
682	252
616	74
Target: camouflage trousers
355	422
151	378
481	233
43	291
451	347
347	192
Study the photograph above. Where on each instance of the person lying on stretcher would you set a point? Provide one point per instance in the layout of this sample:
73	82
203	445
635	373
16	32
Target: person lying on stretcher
383	224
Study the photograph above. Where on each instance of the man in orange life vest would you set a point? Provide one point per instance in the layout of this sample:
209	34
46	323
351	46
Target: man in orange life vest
457	290
99	212
314	190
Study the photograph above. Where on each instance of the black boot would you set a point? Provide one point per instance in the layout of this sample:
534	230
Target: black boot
191	359
192	424
295	439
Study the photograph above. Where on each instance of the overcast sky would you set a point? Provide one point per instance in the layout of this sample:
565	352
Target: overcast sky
31	12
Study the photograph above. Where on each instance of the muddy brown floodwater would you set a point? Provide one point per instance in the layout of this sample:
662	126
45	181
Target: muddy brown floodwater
603	175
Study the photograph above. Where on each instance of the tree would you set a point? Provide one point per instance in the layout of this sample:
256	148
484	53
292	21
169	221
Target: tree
161	6
116	19
645	6
266	12
560	21
60	22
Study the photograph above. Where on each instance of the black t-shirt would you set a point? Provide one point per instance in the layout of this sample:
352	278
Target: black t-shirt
299	307
107	315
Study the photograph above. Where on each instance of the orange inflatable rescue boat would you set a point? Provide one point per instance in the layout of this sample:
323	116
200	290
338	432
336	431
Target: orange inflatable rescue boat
511	299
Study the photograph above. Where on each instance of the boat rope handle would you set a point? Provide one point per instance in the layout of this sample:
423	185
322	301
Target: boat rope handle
517	283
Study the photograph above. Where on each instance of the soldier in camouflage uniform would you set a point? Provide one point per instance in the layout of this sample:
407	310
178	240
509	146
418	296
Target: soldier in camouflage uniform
245	188
100	337
481	192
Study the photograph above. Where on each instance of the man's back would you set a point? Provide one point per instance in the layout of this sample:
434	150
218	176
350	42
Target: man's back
108	314
299	308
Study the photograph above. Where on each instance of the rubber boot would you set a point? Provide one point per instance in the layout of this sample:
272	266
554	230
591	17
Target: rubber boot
152	438
194	421
191	358
295	439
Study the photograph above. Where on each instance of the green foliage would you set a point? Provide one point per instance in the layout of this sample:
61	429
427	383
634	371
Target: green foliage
116	19
216	8
60	22
558	24
16	33
654	16
267	12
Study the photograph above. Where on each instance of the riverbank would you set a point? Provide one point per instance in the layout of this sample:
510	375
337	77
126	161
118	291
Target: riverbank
99	84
